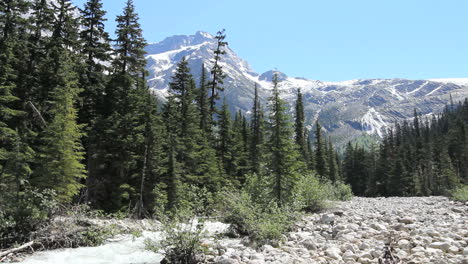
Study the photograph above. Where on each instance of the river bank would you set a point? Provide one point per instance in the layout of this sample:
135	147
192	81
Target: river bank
414	230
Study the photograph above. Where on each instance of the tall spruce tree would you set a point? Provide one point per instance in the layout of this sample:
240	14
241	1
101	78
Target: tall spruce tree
63	42
60	149
258	137
203	102
129	51
30	84
194	160
321	163
16	155
93	78
173	167
217	74
122	139
239	148
61	154
300	130
96	51
226	143
333	172
283	162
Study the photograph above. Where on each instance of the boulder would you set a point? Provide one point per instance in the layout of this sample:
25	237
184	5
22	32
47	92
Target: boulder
327	218
333	252
406	220
440	245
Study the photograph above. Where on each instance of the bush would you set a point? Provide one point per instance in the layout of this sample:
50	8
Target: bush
195	200
182	239
23	214
460	193
342	191
251	212
95	235
263	223
313	195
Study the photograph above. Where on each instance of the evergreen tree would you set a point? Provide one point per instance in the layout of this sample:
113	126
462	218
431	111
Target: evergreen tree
333	174
96	51
226	144
148	154
120	154
12	15
246	136
93	79
311	161
199	159
61	153
31	78
173	167
283	160
321	164
300	131
16	155
239	148
348	164
130	45
191	159
217	74
258	137
202	103
63	42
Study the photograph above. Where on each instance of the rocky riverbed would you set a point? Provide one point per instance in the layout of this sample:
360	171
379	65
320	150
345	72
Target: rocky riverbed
418	229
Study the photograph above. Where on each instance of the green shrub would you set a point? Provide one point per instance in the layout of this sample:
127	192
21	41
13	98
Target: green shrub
460	193
272	224
342	191
96	235
23	214
182	239
193	199
313	195
160	200
251	212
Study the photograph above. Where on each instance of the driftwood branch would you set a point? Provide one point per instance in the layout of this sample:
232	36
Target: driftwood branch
13	250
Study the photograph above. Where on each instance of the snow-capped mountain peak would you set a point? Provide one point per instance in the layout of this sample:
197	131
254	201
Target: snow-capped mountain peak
345	109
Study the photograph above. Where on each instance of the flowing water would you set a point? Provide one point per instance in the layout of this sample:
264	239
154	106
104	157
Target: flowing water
122	249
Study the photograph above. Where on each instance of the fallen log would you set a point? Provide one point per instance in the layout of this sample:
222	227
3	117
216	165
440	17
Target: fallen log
13	250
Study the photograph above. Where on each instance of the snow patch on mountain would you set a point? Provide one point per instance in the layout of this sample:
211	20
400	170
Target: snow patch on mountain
372	123
457	81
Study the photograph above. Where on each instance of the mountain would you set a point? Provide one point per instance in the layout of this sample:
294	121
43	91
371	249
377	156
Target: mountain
346	110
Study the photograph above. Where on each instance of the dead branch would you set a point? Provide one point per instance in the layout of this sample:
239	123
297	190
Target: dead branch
38	113
13	250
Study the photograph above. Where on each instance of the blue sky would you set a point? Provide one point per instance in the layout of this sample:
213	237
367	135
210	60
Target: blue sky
330	40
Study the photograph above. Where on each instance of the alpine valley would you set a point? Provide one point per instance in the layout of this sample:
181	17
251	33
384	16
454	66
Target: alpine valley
347	110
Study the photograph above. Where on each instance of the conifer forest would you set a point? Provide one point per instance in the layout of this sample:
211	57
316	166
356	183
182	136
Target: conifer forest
80	126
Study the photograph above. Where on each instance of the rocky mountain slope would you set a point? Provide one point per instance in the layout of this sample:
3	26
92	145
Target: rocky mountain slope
346	109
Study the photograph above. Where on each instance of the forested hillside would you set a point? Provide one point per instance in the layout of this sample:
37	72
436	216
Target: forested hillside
422	157
80	125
